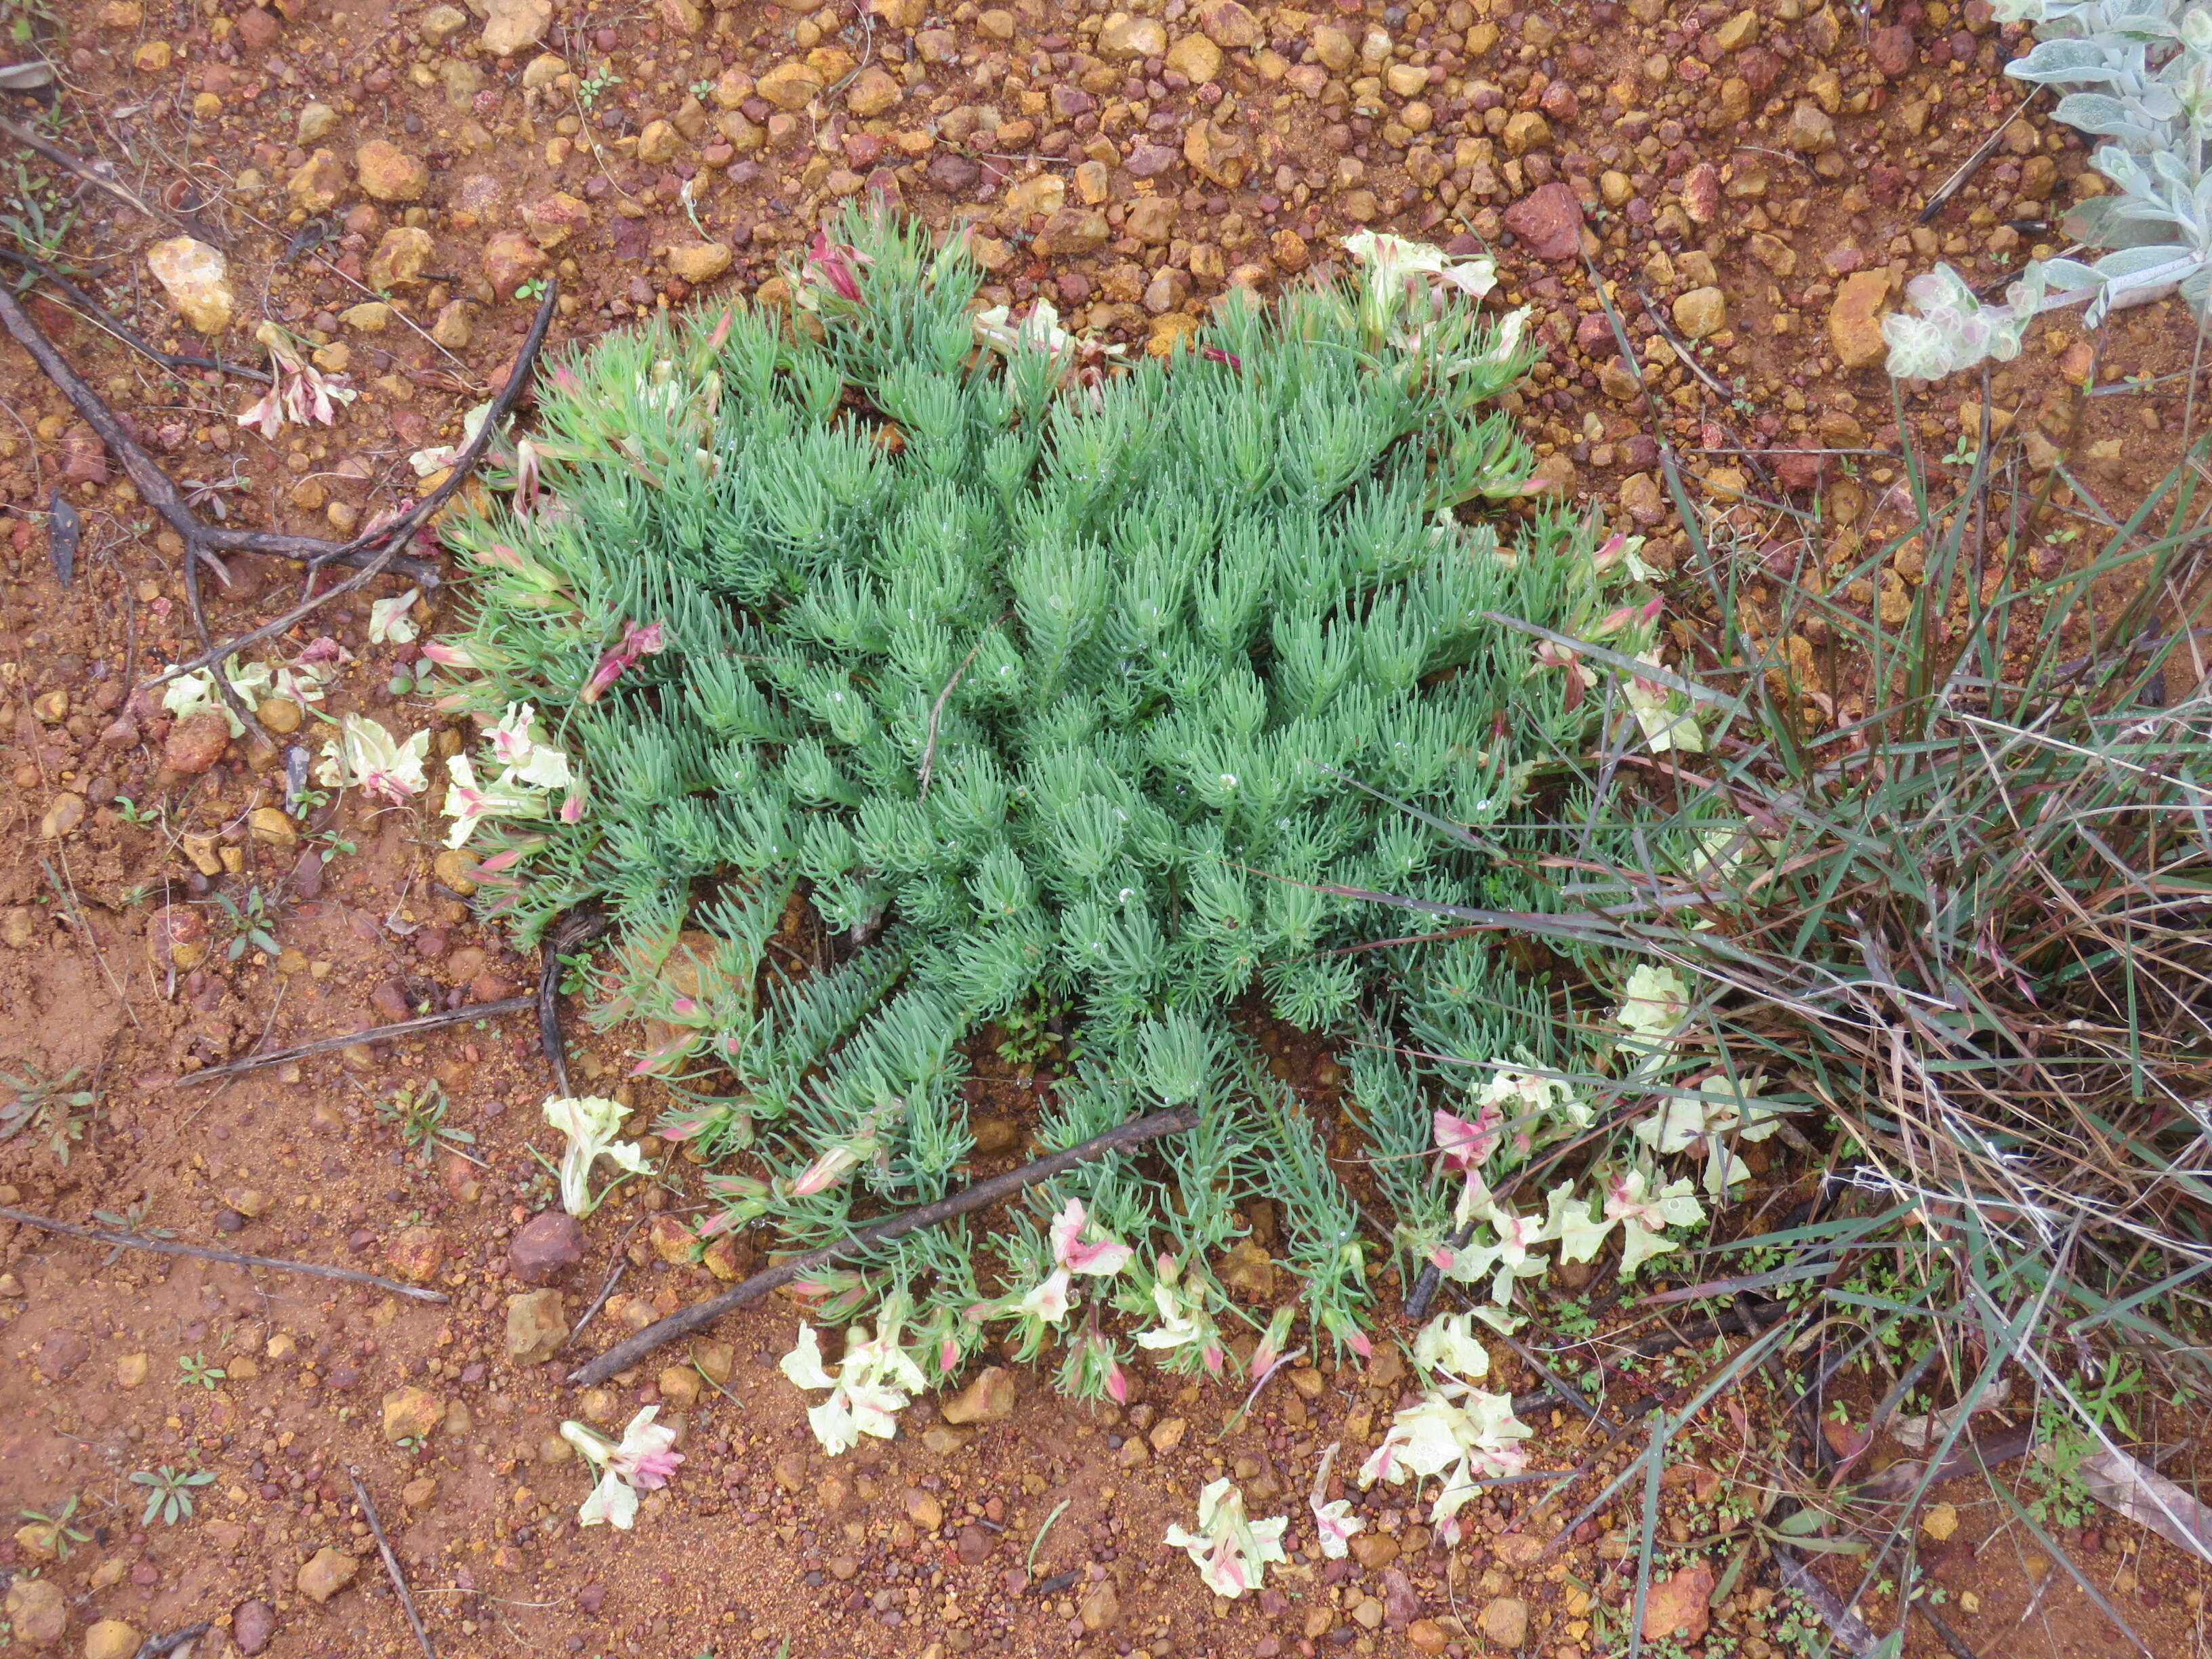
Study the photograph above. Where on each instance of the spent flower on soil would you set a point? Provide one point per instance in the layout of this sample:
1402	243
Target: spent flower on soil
388	621
298	392
1462	1435
641	1460
1708	1122
366	756
1333	1522
594	1126
1653	1008
1448	1343
1580	1234
872	1385
1230	1552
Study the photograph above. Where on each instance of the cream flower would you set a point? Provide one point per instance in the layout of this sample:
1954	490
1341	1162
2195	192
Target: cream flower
642	1459
594	1128
365	756
1230	1552
872	1385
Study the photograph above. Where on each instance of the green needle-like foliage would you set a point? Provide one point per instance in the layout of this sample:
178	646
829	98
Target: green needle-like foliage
1041	679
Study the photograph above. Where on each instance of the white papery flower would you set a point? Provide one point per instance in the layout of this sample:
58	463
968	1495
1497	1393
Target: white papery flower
641	1459
870	1386
1333	1523
1459	1434
593	1125
1230	1552
366	756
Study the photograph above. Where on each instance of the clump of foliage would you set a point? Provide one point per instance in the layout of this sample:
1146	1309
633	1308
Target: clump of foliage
1049	682
2138	74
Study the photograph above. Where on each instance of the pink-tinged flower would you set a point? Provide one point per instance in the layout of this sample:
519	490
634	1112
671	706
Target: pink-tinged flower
721	333
826	1171
565	377
1230	1552
835	264
574	804
1047	1301
499	863
1333	1523
1215	354
636	641
1609	553
1107	1257
1467	1146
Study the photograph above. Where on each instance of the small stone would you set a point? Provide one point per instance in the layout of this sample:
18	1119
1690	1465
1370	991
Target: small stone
1230	26
1549	220
510	260
548	1245
1854	318
198	281
1810	130
325	1573
252	1625
1168	1434
318	184
111	1638
280	714
420	1492
941	1442
536	1326
269	826
994	1135
455	325
1506	1621
131	1369
62	815
873	91
1101	1607
1701	312
317	121
1891	51
415	1254
409	1413
700	262
369	317
790	86
36	1611
400	258
988	1398
1426	1636
1197	56
440	24
1374	1550
548	67
923	1510
389	173
1072	232
1333	47
1525	131
511	25
59	1353
1217	153
1122	36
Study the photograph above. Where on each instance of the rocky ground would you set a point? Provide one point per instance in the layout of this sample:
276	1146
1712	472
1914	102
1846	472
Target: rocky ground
391	184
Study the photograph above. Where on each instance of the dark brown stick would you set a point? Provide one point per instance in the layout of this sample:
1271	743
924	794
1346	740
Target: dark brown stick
576	929
101	316
1134	1132
390	1561
69	163
201	1253
374	1033
153	485
389	538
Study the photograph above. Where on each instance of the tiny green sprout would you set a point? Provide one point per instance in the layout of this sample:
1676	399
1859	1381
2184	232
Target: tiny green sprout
532	290
63	1535
130	813
1962	452
702	90
31	1100
169	1492
199	1373
418	1110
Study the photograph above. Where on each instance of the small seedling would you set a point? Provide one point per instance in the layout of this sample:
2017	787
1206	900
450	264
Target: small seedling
198	1370
532	290
169	1492
132	1220
249	921
30	1100
589	89
63	1535
130	813
418	1110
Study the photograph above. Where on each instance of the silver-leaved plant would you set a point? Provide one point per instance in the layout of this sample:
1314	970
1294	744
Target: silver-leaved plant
2137	73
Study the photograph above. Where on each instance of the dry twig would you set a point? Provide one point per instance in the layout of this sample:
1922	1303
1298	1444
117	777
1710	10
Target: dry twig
374	1033
202	1253
391	1563
1134	1132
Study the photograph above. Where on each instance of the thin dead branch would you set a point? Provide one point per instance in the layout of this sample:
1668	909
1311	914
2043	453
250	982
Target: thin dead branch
202	1253
390	1563
374	1034
1134	1132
